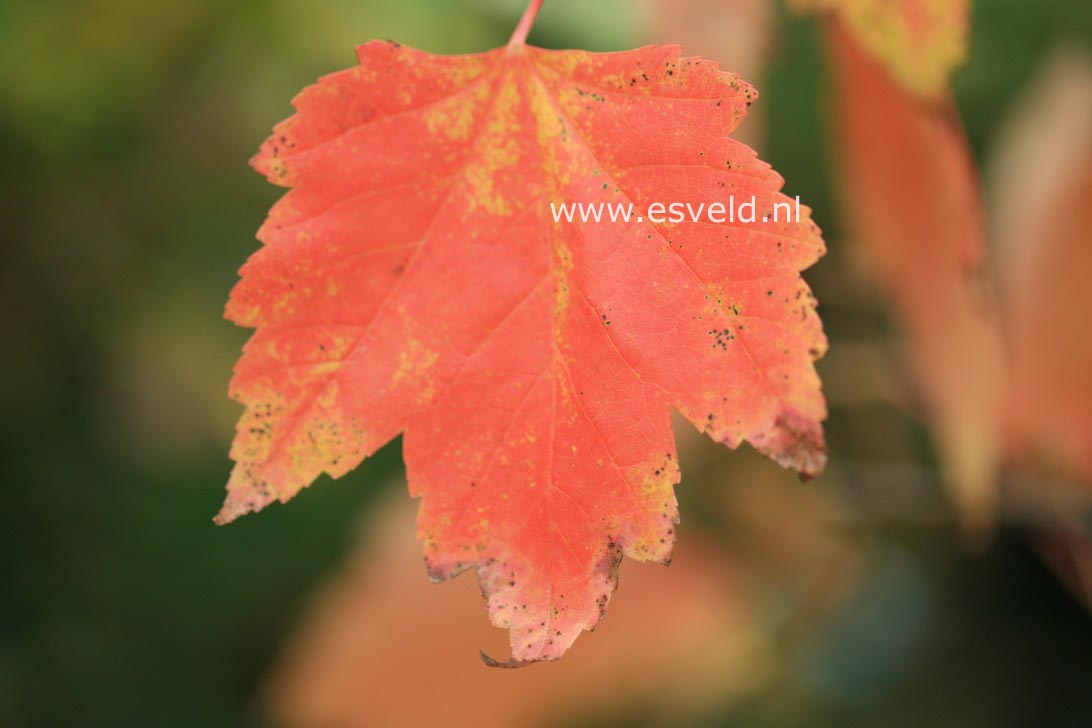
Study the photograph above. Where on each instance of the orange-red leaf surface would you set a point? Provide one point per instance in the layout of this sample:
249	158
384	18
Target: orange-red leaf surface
912	203
413	281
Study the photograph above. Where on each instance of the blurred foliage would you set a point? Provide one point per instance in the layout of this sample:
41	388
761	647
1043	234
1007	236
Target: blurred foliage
127	207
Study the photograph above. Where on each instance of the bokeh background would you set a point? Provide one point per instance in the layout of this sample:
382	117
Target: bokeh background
127	206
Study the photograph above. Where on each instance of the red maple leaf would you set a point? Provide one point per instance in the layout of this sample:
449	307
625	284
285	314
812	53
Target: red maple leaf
414	281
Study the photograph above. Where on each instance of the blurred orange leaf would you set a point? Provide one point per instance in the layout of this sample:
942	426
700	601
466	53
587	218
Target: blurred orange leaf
380	632
1042	201
912	205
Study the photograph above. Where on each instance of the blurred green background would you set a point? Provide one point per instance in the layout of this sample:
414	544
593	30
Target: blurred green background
127	206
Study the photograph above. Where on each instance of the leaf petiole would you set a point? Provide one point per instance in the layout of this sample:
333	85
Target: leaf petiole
519	36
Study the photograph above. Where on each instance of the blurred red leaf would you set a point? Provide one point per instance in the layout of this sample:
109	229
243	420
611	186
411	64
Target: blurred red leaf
912	205
413	281
379	634
1042	184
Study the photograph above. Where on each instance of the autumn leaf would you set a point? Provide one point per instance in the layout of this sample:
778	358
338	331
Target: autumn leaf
918	42
680	640
680	644
1040	177
911	201
414	281
1042	213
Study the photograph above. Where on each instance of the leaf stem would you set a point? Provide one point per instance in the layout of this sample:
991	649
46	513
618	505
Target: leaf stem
519	37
